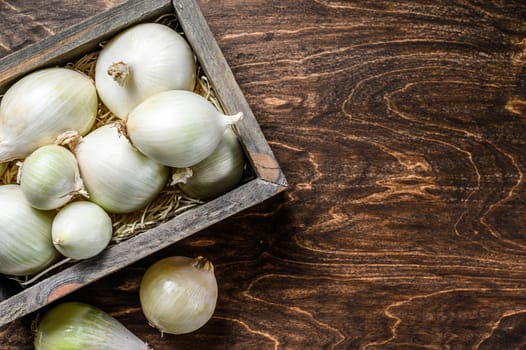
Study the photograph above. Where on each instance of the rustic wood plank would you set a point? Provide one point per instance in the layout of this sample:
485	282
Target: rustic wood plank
30	28
400	126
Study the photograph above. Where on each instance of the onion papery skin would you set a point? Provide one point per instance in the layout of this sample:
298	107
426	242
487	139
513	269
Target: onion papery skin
219	172
158	59
50	177
178	294
176	128
81	230
25	234
79	326
117	177
3	167
43	105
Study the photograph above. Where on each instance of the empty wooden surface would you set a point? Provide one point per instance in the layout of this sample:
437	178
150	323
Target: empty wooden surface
401	128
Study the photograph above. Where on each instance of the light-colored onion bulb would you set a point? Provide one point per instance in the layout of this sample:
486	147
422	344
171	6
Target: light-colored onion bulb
25	235
81	230
117	177
179	294
41	106
177	128
219	172
141	61
50	177
79	326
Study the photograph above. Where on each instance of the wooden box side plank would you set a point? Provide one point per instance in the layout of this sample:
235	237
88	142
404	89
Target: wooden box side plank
222	79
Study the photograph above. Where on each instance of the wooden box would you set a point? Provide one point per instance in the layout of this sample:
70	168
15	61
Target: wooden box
83	38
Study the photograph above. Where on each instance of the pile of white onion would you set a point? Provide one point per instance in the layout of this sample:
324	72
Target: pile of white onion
73	174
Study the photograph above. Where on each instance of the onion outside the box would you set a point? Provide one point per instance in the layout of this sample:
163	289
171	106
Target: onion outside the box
178	294
74	325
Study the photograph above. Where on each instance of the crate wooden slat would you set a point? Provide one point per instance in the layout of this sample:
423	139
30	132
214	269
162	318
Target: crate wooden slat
83	38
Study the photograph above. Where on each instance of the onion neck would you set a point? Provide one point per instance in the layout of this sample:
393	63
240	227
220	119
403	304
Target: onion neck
232	119
120	72
203	264
122	130
70	138
80	189
181	175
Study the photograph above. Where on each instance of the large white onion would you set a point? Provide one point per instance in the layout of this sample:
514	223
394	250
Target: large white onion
141	61
79	326
41	106
25	235
177	128
50	177
179	294
117	177
219	172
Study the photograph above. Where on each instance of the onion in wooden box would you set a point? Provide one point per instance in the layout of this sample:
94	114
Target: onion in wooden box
158	176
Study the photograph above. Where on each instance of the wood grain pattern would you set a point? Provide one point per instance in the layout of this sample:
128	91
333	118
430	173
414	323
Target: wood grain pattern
401	127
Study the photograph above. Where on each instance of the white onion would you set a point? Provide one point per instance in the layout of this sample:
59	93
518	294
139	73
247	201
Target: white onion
117	177
179	294
50	177
81	230
141	61
25	234
177	128
219	172
41	106
79	326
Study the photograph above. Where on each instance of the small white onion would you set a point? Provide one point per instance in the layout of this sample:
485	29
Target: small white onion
177	128
179	294
81	230
141	61
117	177
43	105
219	172
25	234
50	177
79	326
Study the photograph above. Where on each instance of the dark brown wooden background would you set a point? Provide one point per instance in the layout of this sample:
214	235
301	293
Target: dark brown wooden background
401	127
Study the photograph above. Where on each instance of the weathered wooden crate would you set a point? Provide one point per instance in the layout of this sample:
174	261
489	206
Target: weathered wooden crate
84	38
